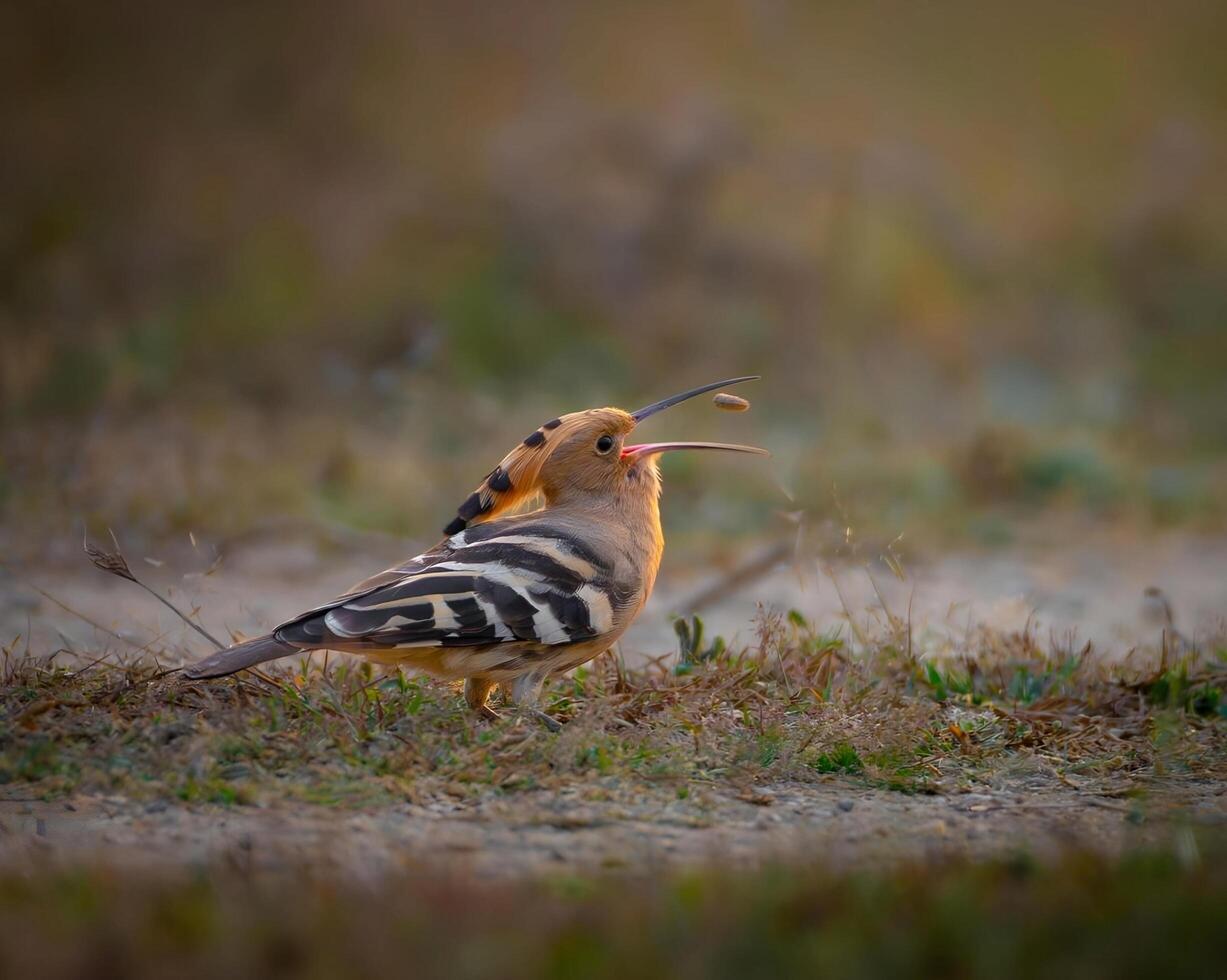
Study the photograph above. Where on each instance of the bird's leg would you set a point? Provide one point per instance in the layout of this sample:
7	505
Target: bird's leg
476	693
526	692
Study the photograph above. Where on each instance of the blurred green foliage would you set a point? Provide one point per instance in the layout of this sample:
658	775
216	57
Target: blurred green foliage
503	335
414	226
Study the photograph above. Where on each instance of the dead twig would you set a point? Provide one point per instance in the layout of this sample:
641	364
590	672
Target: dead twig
737	578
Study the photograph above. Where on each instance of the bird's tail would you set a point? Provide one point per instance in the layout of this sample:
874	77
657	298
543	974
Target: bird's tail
235	658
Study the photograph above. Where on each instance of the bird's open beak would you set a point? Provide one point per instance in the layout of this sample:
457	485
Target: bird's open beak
651	448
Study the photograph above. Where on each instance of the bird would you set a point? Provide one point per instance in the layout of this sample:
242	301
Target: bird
511	597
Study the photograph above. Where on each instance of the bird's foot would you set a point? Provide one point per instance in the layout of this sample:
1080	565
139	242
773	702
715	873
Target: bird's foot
535	714
553	724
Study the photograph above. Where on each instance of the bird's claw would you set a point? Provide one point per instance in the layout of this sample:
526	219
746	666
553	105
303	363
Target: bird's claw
553	724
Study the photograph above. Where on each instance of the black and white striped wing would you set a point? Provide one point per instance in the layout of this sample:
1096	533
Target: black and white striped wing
518	587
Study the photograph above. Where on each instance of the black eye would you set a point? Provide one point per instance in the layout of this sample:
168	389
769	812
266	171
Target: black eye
604	444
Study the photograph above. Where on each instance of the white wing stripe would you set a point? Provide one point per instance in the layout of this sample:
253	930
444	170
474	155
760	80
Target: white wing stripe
543	546
600	609
548	627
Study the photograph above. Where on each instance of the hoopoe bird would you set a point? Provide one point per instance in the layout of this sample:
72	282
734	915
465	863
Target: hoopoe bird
511	598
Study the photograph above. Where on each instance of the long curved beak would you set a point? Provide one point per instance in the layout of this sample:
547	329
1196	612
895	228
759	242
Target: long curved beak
651	448
672	400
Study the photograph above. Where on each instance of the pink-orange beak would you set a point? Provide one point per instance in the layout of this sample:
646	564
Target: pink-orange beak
651	448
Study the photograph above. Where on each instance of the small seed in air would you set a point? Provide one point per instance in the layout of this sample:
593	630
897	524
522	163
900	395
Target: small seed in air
730	403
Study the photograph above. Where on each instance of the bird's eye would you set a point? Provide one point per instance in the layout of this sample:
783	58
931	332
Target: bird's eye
604	444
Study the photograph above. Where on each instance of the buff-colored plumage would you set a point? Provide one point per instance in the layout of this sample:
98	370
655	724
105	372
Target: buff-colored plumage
511	598
519	477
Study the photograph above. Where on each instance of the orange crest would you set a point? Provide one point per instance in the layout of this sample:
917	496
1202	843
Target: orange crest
517	478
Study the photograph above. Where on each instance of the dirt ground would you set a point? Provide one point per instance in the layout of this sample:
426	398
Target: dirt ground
841	825
1095	588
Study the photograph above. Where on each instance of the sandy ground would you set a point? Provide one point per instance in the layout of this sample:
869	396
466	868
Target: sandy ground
566	832
1071	584
1067	588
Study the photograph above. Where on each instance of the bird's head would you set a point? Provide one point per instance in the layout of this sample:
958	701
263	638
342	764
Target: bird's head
583	453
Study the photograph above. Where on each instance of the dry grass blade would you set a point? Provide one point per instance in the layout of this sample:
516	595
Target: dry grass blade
109	561
115	563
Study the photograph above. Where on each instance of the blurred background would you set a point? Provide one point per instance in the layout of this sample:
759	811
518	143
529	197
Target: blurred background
295	265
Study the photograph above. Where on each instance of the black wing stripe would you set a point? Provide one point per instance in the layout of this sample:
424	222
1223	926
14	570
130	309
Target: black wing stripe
469	614
307	631
515	611
571	611
522	558
405	637
473	638
415	587
495	529
349	623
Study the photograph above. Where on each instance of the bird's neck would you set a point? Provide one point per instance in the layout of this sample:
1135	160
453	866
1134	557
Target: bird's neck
647	539
624	526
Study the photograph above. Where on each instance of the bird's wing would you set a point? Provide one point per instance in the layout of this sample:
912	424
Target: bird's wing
495	583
